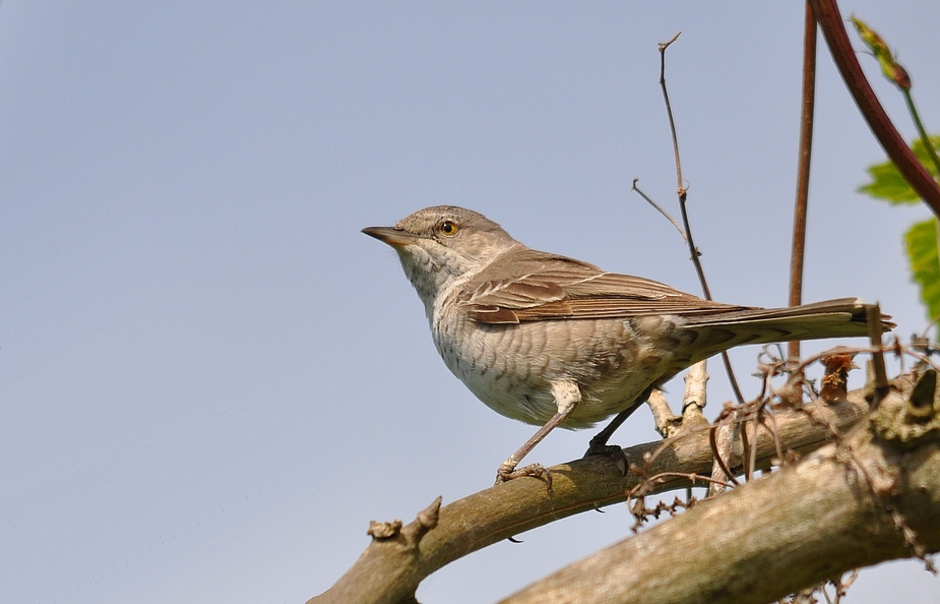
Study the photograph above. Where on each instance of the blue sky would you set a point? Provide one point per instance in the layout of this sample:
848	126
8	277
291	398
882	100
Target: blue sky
210	381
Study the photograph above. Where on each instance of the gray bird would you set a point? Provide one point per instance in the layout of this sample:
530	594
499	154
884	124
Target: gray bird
553	341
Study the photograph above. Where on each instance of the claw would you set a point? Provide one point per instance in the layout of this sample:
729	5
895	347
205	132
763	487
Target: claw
612	452
508	471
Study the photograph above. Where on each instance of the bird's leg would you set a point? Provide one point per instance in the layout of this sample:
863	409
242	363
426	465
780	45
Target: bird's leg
567	396
598	445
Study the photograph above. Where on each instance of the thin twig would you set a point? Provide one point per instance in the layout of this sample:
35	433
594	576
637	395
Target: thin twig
772	430
657	207
681	190
928	144
752	462
923	335
663	417
672	124
880	378
742	422
713	443
802	180
693	478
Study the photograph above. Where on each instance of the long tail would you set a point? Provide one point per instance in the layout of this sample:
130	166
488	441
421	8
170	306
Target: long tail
845	317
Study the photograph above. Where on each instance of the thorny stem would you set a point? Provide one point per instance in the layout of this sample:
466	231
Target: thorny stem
748	414
802	182
693	478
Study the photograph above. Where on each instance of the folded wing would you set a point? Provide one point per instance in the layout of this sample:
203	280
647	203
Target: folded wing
549	287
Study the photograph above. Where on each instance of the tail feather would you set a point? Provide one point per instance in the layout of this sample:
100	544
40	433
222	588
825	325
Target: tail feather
845	317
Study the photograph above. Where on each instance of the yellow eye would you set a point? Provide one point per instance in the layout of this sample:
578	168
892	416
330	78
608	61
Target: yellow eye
448	228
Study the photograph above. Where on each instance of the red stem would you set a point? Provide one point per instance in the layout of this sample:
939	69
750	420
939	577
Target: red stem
802	181
830	21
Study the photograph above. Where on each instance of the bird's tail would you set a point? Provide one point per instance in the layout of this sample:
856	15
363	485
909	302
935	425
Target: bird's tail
845	317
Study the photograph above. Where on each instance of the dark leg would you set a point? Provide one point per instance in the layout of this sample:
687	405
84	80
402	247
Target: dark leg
598	445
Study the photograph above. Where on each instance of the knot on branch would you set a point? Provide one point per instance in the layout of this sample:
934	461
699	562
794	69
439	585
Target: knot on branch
912	421
426	520
411	534
384	530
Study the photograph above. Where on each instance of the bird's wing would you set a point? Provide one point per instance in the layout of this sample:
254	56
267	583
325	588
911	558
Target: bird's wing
541	286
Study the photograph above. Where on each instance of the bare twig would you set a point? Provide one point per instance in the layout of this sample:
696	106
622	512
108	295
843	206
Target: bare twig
692	478
683	193
880	378
721	439
672	124
663	416
695	394
657	207
751	452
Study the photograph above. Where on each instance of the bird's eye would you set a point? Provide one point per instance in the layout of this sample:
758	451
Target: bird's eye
448	228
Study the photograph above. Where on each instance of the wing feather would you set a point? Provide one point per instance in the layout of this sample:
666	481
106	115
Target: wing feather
541	286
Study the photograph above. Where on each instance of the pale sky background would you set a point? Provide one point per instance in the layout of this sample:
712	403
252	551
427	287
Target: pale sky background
210	381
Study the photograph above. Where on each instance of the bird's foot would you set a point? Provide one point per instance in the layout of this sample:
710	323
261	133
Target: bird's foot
613	452
508	471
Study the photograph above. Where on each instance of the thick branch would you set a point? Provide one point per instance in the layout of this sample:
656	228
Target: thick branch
874	497
390	569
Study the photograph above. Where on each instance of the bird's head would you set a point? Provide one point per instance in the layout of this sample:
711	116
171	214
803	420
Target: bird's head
443	245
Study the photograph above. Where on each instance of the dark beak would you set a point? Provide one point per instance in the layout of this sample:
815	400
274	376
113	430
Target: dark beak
391	235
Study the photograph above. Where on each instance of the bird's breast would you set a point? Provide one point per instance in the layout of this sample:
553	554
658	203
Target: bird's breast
511	367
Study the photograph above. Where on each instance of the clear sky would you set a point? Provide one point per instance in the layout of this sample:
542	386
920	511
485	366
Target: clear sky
210	381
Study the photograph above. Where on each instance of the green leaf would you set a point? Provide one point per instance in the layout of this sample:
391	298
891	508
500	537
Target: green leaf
923	255
888	184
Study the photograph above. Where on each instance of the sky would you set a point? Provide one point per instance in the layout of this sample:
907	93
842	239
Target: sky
211	381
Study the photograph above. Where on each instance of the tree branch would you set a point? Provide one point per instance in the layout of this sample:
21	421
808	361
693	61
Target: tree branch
391	568
874	496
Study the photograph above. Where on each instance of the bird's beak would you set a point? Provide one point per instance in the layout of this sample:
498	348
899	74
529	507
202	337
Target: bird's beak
390	235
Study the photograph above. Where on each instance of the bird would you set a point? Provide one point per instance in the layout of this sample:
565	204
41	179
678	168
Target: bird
557	342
